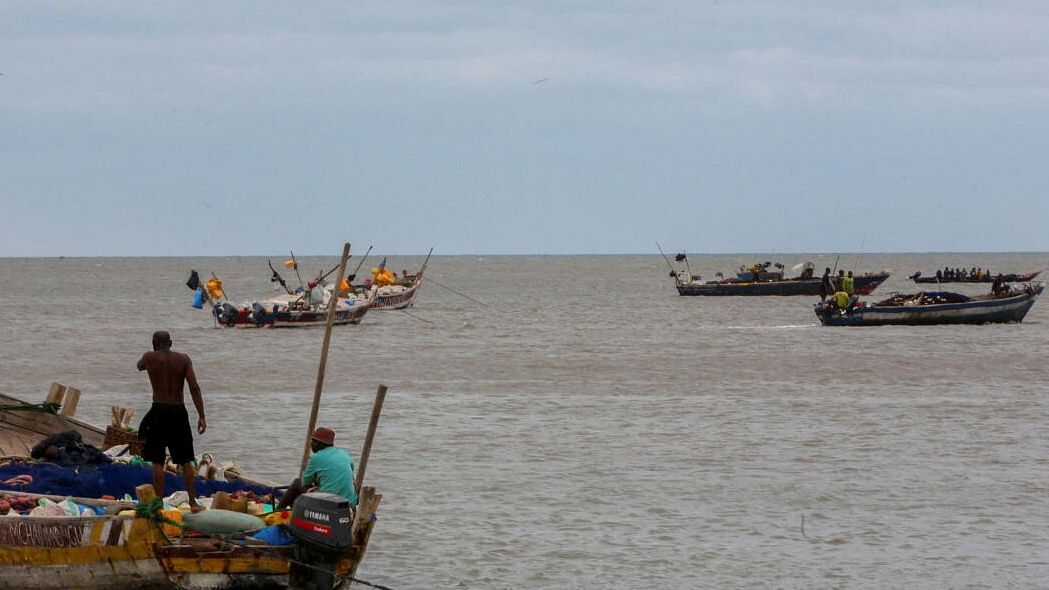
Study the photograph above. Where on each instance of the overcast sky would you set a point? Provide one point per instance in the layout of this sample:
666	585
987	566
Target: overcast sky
221	128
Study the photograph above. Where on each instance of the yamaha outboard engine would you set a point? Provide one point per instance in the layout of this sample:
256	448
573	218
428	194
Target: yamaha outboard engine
321	524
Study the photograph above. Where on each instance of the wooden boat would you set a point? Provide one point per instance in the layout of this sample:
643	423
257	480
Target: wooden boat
114	552
290	311
401	292
982	278
23	425
306	306
110	550
759	280
927	308
400	295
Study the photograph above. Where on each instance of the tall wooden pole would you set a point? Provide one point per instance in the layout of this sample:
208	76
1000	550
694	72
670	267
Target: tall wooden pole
380	396
332	304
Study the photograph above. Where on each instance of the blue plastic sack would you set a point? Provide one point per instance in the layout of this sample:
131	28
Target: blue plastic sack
274	535
198	299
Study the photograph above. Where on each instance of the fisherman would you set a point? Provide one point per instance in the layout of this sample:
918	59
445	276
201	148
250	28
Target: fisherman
166	425
848	285
330	469
825	286
998	287
839	282
841	299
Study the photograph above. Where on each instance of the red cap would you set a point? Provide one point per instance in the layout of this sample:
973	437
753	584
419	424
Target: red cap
324	435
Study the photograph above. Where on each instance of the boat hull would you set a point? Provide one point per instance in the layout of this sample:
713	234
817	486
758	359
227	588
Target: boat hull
401	299
96	552
343	315
864	285
1009	278
284	318
990	311
129	553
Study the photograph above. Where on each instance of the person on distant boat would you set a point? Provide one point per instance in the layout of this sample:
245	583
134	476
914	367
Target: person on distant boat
841	299
330	469
839	281
848	284
998	287
165	427
939	276
825	286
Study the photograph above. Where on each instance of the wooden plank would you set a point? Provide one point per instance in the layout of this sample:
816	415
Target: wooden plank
72	399
15	444
55	395
44	424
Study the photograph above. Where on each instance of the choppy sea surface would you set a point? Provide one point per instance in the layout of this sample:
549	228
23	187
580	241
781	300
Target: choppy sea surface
571	422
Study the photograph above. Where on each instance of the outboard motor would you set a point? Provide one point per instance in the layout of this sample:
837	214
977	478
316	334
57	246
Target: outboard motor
258	314
321	524
226	314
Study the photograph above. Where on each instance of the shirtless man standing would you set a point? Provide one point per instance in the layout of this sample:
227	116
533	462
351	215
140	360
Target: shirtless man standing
166	425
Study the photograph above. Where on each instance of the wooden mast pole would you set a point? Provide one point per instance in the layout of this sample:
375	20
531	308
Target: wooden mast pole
380	396
332	305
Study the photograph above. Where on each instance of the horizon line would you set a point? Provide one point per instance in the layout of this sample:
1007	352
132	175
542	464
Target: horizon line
535	254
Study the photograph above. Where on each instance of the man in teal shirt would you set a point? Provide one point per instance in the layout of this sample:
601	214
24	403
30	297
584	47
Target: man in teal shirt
330	469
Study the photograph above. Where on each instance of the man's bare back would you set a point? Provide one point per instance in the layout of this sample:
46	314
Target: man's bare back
168	371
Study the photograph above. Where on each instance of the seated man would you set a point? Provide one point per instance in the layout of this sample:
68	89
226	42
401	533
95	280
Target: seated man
330	469
841	299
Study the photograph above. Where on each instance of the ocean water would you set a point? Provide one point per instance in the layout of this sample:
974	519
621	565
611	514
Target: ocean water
571	422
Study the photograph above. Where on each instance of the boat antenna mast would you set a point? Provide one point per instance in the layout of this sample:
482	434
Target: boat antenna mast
673	272
352	276
295	265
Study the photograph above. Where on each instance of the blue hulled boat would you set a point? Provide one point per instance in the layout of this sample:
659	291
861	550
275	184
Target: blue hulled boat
930	308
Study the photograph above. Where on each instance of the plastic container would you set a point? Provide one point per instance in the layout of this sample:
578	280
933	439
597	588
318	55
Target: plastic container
175	515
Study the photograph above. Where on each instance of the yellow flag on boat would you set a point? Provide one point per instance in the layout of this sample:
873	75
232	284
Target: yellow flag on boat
289	264
214	287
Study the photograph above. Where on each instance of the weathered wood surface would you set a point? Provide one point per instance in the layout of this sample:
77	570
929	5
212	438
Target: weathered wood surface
93	552
20	430
373	425
364	522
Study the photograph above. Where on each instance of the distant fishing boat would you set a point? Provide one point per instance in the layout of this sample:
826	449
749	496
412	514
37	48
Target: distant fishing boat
765	279
929	308
292	309
392	291
969	278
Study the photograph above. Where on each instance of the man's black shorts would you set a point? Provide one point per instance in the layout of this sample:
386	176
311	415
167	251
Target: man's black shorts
163	427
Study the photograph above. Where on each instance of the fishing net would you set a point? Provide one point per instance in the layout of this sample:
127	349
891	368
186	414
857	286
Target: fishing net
113	479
